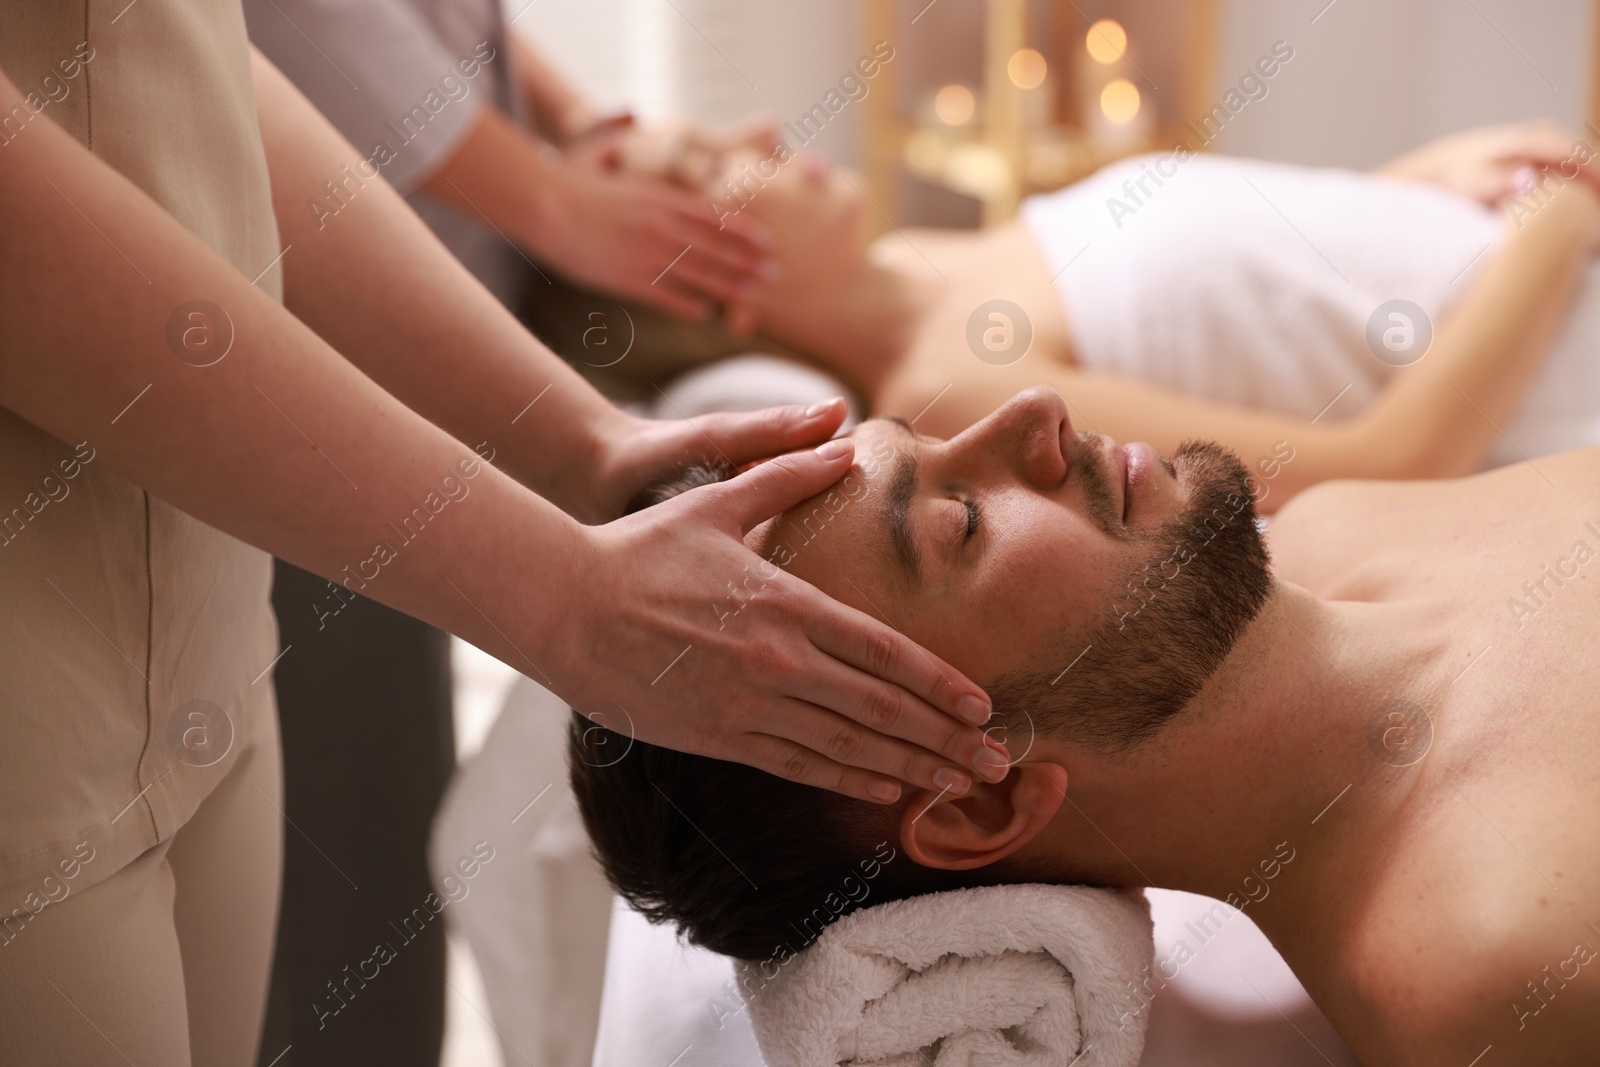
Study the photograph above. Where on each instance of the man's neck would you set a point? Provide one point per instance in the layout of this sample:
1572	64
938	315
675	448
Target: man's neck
1293	748
858	322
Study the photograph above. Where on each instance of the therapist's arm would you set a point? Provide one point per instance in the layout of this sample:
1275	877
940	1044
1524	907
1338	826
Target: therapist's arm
560	113
286	445
624	233
377	286
364	62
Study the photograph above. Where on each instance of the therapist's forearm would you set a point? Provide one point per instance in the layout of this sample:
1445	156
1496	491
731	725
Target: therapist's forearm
559	111
375	283
281	443
504	177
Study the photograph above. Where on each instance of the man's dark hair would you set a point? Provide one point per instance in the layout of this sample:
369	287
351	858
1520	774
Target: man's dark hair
755	866
681	842
744	863
691	477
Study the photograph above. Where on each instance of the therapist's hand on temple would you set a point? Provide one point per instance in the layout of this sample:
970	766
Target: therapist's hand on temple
635	235
623	615
783	678
643	238
689	157
683	153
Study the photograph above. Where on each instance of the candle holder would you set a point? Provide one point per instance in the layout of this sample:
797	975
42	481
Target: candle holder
1063	90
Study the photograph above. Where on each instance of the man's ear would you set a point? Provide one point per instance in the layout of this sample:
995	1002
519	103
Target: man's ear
991	821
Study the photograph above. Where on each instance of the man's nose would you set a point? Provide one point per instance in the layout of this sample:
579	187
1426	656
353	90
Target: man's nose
1032	433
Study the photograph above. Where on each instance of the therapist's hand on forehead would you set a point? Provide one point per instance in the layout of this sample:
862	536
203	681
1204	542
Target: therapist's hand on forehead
781	676
338	415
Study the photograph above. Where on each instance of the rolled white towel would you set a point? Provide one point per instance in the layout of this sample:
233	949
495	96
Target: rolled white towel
1002	976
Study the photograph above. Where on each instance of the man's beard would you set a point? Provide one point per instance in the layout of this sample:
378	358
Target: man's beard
1171	622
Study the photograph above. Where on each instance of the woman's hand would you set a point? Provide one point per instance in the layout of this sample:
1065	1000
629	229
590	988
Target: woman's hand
1571	205
630	235
676	633
1480	164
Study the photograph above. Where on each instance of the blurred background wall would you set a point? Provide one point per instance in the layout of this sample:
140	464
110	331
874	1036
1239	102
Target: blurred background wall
716	61
1370	78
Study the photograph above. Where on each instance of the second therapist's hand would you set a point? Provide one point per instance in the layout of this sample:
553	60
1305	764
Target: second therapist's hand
640	237
796	684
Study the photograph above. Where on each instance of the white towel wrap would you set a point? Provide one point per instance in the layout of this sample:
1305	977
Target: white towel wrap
1003	976
1247	282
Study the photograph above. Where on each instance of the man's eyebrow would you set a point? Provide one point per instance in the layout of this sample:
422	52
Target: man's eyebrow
902	491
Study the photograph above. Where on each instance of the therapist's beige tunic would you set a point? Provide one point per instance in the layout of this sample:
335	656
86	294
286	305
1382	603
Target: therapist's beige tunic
116	609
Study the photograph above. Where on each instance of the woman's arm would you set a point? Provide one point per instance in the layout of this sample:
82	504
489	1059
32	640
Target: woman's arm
1479	163
1440	417
286	445
1423	424
281	443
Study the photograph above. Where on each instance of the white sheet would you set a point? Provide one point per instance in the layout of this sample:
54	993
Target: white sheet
536	915
669	1003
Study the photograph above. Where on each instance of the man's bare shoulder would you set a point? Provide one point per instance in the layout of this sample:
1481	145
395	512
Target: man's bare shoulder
1443	976
1317	538
1327	535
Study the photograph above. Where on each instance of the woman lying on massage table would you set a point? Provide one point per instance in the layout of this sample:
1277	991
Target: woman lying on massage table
1178	295
1372	724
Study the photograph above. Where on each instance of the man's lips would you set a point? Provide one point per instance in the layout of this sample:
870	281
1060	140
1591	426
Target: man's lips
1128	468
1124	472
1119	456
1114	467
1140	460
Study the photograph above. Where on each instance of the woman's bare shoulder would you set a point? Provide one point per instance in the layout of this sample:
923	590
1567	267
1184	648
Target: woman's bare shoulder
950	253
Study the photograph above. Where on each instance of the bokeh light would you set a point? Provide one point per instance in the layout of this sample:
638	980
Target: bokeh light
1119	100
954	104
1106	41
1026	68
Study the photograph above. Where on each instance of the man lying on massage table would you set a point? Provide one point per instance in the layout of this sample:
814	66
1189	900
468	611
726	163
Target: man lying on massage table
1403	705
